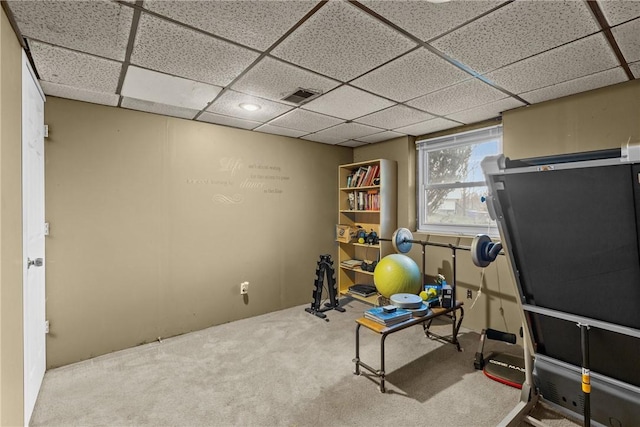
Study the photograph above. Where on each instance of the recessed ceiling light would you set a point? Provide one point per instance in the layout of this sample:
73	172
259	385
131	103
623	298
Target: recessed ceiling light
249	107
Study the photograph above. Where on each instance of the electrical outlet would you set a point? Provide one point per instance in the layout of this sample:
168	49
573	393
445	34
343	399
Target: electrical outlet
469	294
244	288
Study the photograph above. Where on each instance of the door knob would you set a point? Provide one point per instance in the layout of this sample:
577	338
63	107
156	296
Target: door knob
38	262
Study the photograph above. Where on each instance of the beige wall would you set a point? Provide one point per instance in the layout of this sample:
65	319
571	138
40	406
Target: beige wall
11	345
602	118
155	222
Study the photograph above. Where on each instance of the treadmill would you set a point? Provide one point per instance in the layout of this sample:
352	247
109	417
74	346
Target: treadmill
570	227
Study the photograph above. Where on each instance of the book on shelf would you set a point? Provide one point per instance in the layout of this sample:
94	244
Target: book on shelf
376	174
351	263
365	200
367	176
359	176
363	176
371	176
379	315
373	203
354	180
363	290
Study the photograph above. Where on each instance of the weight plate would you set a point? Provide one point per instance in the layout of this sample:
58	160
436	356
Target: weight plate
401	240
478	250
409	301
419	312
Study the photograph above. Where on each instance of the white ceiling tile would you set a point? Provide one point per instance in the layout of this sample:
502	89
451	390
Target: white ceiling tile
351	143
429	126
463	96
516	31
427	20
342	42
585	56
273	79
411	75
582	84
69	68
157	108
228	121
280	131
628	38
96	27
165	89
347	103
619	11
229	102
394	117
256	24
324	139
173	49
487	111
307	121
635	69
379	137
70	92
348	131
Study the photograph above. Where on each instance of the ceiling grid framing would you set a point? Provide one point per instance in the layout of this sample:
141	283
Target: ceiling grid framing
606	29
127	56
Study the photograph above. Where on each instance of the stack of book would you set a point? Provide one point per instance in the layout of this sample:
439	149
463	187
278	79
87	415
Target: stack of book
363	290
351	263
366	200
388	316
364	176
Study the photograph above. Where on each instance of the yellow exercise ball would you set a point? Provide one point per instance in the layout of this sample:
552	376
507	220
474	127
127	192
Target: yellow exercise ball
397	274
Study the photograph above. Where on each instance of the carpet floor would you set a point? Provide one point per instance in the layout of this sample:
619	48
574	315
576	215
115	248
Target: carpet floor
286	368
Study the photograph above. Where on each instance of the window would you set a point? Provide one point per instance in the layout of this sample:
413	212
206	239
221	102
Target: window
451	185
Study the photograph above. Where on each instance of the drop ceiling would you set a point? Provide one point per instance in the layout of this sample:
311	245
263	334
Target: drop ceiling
379	68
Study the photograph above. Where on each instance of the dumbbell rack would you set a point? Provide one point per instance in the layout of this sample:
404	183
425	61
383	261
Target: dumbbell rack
324	270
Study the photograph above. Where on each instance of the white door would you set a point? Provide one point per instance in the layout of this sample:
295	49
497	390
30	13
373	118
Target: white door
33	236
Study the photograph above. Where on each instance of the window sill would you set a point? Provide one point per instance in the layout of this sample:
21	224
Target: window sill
456	232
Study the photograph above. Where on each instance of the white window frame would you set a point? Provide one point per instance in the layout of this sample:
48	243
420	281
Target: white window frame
424	147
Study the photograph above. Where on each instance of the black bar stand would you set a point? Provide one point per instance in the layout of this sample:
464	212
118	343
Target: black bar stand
325	269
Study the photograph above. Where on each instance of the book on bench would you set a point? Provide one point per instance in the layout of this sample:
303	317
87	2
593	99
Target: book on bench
377	314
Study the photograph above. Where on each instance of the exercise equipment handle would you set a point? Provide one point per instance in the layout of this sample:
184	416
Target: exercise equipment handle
496	335
586	373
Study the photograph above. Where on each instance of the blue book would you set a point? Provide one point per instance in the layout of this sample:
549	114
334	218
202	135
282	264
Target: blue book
378	314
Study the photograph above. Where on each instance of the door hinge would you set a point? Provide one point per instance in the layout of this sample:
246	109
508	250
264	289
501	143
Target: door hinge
46	131
46	326
46	228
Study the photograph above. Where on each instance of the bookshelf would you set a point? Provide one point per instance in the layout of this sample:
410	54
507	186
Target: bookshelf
372	205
